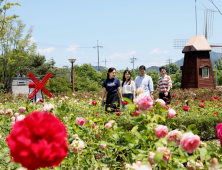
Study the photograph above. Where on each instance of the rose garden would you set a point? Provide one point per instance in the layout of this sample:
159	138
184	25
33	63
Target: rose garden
74	132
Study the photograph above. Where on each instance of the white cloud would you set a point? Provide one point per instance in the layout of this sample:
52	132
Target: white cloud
123	56
72	48
47	50
155	51
156	63
32	40
166	52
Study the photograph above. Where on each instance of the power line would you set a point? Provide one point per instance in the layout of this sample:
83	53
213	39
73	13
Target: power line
105	62
132	60
98	52
169	63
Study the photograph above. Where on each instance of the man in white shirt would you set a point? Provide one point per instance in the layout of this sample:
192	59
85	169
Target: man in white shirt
144	81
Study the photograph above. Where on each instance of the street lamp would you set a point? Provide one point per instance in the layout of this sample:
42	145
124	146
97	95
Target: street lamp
72	61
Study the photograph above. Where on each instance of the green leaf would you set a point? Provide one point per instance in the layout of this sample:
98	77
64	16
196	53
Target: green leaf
195	131
57	168
7	159
134	129
158	157
161	117
193	157
158	144
116	136
1	156
138	135
127	100
172	144
139	119
203	152
191	126
6	150
158	105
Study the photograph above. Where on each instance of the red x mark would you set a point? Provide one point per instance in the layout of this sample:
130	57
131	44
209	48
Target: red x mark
39	85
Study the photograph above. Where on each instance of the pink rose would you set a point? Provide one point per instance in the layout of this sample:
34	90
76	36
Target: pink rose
16	114
47	108
144	102
108	125
1	112
161	131
80	121
190	142
98	135
102	146
166	155
199	165
22	109
151	156
77	145
171	113
161	101
9	112
92	124
219	132
174	136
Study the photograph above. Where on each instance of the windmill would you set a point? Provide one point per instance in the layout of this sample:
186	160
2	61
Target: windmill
197	68
207	29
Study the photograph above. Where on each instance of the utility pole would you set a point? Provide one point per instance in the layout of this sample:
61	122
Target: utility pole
169	63
105	62
196	14
132	60
98	52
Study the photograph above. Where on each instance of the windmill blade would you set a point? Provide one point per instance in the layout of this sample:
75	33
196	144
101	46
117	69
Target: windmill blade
180	43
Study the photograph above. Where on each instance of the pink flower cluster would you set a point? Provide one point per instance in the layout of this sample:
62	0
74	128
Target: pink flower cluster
188	141
171	113
109	124
80	121
144	102
8	112
47	108
161	101
166	155
22	109
161	131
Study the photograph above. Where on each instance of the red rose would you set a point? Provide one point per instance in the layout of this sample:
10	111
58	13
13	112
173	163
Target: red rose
117	110
201	105
211	99
219	105
125	103
203	100
117	113
39	140
137	113
94	103
219	132
216	114
97	114
186	108
173	95
176	103
218	98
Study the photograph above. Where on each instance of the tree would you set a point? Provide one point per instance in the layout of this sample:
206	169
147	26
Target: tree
176	79
155	76
173	68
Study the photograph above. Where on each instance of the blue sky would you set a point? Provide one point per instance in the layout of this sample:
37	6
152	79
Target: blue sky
143	28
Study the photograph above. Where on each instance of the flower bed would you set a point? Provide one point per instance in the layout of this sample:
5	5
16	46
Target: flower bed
157	138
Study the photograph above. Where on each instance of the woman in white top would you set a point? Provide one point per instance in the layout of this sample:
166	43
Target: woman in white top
128	88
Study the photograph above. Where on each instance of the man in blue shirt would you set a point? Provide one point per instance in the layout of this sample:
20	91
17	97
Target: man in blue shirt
144	81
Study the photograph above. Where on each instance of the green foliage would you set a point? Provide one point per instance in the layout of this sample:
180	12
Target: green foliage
205	125
155	76
173	68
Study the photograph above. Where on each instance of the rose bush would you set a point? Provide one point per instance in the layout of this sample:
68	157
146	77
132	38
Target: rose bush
120	141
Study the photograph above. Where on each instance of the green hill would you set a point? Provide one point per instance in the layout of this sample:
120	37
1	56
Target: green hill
214	57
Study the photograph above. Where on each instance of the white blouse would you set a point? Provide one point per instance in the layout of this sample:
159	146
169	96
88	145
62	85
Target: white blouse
128	88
